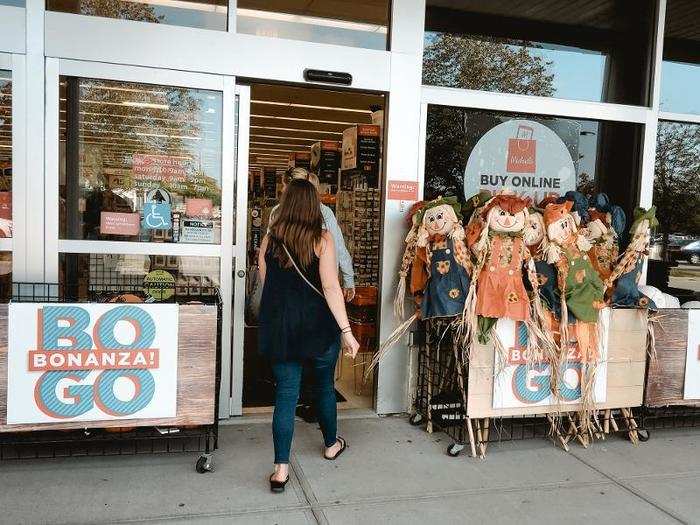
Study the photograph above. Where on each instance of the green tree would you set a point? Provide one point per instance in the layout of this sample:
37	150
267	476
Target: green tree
677	180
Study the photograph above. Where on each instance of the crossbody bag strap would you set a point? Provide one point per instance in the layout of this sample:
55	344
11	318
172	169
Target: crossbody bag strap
299	271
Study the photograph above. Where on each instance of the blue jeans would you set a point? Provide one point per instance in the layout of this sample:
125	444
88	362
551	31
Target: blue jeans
288	377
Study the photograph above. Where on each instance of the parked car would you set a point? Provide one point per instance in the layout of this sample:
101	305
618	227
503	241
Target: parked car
691	251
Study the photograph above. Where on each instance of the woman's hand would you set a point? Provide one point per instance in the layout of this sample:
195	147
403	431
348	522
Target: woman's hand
349	344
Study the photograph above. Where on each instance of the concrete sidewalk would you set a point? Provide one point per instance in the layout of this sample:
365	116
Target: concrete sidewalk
392	473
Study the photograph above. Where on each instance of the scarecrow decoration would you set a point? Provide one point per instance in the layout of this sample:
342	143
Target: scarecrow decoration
606	226
497	289
435	264
624	279
581	293
535	237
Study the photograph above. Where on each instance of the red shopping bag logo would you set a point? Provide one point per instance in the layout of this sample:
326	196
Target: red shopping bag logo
522	151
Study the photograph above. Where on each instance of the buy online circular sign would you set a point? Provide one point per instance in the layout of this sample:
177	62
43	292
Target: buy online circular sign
522	155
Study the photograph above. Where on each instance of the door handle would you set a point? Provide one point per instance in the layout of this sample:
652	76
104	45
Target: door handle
241	273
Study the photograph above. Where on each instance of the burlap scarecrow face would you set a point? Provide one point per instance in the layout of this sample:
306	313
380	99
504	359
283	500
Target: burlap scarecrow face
440	220
534	232
561	225
507	214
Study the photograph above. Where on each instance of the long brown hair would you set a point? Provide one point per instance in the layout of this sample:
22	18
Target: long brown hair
297	223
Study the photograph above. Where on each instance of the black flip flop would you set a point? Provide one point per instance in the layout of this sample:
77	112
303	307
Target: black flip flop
343	446
278	486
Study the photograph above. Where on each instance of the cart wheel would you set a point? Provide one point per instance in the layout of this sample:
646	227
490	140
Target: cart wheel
205	463
454	449
416	419
643	435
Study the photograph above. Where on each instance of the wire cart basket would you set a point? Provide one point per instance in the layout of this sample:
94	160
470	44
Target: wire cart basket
440	403
125	440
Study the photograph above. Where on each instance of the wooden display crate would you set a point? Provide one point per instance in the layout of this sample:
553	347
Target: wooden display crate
626	362
666	374
196	375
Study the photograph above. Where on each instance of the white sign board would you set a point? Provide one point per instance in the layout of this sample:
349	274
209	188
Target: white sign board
517	384
91	362
522	155
692	357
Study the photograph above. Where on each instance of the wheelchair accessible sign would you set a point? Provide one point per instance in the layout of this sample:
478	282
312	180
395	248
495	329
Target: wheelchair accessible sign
157	212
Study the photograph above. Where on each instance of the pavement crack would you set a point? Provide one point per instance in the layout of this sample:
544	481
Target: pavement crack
634	491
311	499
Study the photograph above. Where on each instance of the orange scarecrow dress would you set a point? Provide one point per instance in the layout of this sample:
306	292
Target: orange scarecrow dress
501	292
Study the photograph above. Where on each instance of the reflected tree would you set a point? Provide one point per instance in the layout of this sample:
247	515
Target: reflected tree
125	10
677	180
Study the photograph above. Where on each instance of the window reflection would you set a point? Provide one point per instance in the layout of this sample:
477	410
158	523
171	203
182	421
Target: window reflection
139	278
468	150
558	48
675	252
5	154
347	23
681	65
139	162
205	14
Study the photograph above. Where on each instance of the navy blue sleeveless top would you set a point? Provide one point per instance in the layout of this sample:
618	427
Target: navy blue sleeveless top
295	323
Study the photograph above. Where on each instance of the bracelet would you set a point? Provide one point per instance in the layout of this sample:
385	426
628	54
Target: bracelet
346	330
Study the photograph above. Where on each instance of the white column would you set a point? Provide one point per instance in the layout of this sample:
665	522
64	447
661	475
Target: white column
402	163
33	252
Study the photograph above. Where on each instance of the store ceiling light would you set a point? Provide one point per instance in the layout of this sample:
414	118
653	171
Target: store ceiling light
309	106
299	130
342	123
145	105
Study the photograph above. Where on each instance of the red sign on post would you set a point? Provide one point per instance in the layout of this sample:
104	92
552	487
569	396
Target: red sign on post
522	152
403	190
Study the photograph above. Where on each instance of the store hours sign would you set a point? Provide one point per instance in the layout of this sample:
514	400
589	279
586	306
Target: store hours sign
91	362
522	155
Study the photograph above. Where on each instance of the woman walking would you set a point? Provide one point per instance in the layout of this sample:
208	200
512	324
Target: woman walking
302	319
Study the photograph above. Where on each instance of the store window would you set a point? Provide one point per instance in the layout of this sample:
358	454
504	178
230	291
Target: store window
571	49
469	150
674	264
5	276
12	3
5	154
681	64
139	162
351	23
204	14
133	278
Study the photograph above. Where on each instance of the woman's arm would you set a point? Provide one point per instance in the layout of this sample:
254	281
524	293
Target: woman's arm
328	268
262	267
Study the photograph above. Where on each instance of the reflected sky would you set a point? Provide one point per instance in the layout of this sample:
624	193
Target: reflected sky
679	87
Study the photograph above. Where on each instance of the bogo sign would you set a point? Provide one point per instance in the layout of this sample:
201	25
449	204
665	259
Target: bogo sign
91	362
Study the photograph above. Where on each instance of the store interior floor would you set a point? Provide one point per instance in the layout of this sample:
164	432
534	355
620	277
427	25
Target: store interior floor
336	135
392	473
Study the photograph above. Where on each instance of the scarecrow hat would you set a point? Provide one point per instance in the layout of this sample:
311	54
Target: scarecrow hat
440	201
580	204
556	211
510	203
640	214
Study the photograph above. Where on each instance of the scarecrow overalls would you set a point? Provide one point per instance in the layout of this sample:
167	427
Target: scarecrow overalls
447	287
501	292
584	288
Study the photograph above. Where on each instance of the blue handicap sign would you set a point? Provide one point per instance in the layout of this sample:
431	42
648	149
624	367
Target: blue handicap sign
157	216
